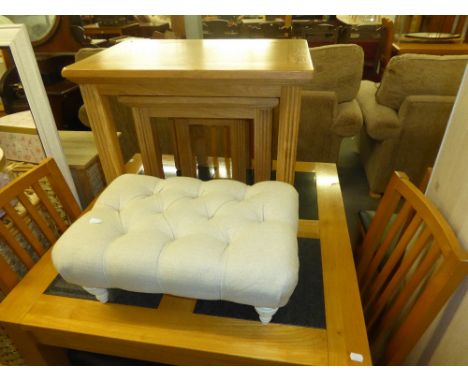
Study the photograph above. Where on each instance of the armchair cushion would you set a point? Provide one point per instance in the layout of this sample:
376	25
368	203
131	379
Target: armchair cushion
381	121
417	74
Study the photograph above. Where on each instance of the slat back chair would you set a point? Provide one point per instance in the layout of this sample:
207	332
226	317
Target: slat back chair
36	208
407	270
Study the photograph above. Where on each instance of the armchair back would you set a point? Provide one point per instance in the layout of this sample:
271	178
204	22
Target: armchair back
337	68
420	74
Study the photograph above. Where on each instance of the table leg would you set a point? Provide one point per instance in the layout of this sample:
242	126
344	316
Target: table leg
238	141
288	131
227	150
148	141
175	147
33	353
188	165
262	144
105	135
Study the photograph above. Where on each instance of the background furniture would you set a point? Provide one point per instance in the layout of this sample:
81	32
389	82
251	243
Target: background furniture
329	109
407	270
405	117
108	31
64	96
427	48
80	36
373	34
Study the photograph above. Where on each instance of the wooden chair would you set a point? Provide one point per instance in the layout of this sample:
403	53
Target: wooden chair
37	208
366	216
404	288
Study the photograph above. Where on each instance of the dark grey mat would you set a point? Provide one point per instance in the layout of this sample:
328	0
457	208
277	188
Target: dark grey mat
306	306
60	287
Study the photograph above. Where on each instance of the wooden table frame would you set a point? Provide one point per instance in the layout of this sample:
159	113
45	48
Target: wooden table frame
41	324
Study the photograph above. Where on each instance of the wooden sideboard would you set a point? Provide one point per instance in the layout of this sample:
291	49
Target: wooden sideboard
427	48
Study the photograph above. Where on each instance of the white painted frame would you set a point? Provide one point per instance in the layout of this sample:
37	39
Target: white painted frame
15	37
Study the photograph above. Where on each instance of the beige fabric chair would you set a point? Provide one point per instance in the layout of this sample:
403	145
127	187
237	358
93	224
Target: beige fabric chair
406	115
329	109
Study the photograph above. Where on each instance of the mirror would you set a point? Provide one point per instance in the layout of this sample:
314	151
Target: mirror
40	28
14	38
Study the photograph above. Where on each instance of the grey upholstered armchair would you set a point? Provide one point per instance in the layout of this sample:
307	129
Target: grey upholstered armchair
406	115
329	109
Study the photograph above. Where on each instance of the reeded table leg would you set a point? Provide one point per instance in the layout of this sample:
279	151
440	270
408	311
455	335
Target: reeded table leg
105	135
288	130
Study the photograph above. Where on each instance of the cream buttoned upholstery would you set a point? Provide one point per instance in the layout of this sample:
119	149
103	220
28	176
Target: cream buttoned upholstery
219	239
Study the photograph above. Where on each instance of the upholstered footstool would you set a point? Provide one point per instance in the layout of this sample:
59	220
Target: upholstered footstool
215	240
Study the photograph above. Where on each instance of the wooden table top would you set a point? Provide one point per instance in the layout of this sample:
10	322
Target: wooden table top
426	48
262	59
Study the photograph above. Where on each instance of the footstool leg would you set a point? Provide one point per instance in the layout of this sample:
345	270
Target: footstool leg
101	294
266	314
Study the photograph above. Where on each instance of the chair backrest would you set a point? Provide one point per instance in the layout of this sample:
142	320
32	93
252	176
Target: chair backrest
420	74
337	68
36	208
407	270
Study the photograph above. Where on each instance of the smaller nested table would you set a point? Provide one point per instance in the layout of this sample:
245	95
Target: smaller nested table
183	79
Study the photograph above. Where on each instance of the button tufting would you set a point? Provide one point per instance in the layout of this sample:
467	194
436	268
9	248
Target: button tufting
237	241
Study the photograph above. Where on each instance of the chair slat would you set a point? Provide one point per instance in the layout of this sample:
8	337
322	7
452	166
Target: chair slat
62	191
393	259
49	207
436	293
15	246
38	219
8	278
24	229
408	260
405	294
382	216
401	219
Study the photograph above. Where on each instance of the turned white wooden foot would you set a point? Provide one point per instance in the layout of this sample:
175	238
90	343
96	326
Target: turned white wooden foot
101	294
266	314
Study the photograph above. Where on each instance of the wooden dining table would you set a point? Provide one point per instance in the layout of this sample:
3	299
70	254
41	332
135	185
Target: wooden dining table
42	324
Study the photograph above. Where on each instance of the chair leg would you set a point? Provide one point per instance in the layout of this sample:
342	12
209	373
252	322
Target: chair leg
101	294
266	314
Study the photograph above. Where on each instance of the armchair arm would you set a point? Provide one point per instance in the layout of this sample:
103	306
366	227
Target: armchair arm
381	121
318	107
426	108
348	121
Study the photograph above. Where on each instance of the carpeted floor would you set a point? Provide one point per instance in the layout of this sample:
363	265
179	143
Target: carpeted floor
354	186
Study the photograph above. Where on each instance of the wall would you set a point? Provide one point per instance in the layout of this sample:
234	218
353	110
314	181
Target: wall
446	341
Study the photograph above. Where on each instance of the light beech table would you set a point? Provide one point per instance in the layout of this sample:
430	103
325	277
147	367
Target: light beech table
186	79
41	324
